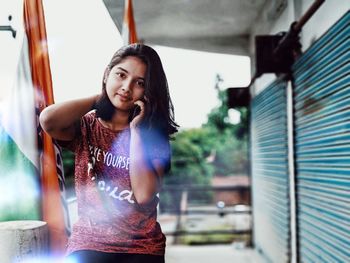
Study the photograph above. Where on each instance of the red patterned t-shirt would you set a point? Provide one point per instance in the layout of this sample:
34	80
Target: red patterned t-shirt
110	220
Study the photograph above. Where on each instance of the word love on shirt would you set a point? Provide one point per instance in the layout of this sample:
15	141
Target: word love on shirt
113	192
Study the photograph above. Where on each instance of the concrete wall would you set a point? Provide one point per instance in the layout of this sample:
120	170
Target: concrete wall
291	10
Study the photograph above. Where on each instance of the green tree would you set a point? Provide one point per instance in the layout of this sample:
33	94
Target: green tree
217	148
189	152
68	165
189	167
231	148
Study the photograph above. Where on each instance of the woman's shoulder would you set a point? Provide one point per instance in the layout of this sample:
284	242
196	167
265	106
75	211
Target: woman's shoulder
89	119
87	122
90	116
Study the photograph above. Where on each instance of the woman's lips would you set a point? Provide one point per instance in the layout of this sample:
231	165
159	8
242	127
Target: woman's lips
123	98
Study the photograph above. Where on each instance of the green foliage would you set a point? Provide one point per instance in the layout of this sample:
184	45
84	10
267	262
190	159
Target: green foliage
217	238
217	118
231	146
189	165
68	162
68	165
217	148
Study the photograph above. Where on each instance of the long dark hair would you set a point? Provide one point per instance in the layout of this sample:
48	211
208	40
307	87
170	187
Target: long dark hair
160	110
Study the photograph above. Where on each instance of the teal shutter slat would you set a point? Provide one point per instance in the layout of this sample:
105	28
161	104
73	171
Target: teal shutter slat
270	182
322	146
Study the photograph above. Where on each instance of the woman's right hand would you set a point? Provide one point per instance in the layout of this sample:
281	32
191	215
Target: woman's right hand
60	120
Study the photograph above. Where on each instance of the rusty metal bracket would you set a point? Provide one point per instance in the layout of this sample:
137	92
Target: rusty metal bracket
277	53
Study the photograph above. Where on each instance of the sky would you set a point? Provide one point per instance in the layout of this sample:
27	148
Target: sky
82	43
191	76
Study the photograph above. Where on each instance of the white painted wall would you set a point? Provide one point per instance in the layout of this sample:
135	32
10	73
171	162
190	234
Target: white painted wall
10	47
324	18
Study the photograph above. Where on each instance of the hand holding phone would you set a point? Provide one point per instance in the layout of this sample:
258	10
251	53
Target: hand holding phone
138	111
135	112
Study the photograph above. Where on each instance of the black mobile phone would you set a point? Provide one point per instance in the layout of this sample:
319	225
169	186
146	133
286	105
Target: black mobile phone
137	109
135	112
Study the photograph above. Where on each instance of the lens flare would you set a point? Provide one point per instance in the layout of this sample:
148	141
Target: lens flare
50	259
20	195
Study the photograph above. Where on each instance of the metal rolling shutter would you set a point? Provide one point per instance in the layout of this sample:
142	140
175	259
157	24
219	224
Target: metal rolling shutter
322	147
270	173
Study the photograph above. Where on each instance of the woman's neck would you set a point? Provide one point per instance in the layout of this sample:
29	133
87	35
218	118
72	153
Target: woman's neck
119	121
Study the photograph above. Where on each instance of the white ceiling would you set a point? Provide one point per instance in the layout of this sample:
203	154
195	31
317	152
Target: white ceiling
221	26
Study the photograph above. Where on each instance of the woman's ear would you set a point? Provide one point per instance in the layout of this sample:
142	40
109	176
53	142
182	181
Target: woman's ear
105	76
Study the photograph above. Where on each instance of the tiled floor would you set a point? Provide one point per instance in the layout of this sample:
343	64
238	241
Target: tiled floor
209	254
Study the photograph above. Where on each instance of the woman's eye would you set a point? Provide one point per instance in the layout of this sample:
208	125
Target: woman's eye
120	74
140	83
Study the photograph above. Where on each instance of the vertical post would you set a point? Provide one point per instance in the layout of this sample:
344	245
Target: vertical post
23	240
291	168
181	210
183	204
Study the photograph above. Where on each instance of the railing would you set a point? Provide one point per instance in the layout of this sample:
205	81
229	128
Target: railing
207	214
201	214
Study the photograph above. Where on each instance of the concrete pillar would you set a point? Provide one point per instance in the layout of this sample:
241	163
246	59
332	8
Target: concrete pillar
183	204
21	240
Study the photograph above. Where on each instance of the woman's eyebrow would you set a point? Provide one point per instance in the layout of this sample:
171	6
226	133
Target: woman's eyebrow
123	69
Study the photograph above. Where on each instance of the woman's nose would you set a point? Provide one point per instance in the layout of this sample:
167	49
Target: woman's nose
127	85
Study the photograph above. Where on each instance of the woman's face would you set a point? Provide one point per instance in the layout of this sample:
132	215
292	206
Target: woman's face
125	83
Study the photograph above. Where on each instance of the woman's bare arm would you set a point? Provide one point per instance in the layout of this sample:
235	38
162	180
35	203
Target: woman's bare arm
145	179
59	120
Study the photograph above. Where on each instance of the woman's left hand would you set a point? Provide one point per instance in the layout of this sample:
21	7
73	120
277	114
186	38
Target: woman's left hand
139	116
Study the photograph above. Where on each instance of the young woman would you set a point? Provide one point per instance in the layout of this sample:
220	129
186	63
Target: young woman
121	144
